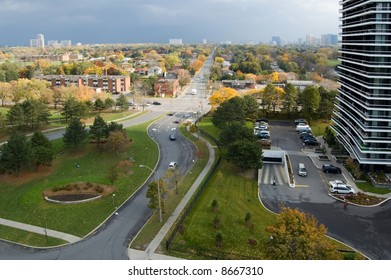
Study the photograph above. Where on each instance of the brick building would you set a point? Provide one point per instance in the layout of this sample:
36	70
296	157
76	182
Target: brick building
113	84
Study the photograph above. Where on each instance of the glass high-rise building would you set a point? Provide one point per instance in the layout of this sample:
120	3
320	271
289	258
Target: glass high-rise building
362	115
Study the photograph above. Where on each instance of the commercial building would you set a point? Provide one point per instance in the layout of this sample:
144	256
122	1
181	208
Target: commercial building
362	115
39	42
113	84
175	41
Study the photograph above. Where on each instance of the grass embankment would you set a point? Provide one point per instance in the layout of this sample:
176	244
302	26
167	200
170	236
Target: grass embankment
153	226
236	194
28	238
21	197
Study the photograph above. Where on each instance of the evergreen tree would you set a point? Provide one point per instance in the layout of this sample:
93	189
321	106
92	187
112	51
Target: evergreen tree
42	149
16	154
98	130
75	133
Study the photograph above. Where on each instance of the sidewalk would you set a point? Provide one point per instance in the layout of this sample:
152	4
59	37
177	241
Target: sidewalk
149	253
40	230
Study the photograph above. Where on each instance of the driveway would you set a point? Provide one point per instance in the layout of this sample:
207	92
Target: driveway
365	229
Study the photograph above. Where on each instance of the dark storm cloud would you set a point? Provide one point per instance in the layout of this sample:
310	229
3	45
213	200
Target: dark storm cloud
101	21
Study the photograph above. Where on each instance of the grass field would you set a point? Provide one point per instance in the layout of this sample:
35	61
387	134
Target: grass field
29	238
21	197
369	187
236	193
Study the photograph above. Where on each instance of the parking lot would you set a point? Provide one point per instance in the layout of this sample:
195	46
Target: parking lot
364	228
311	188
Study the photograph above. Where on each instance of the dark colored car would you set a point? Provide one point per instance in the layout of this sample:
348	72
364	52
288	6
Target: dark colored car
172	137
311	142
328	168
156	103
177	121
171	114
262	120
297	121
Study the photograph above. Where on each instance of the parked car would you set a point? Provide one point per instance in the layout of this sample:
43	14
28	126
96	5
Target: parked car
171	114
262	120
335	183
172	137
341	189
311	142
263	134
328	168
303	127
156	103
297	121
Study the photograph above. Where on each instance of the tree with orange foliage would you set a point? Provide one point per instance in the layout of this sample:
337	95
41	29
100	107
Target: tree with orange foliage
196	65
222	95
84	93
299	236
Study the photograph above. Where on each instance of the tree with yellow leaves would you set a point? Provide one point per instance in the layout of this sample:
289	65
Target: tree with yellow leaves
5	92
222	95
274	77
298	236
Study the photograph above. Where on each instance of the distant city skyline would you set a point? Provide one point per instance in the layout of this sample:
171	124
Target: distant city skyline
153	21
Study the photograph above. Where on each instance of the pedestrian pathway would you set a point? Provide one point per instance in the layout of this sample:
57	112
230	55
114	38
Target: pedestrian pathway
40	230
149	253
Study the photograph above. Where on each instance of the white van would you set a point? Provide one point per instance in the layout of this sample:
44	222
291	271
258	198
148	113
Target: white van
302	170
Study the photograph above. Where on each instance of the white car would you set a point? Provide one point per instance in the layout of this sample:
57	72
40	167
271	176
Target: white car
336	183
302	126
340	187
172	165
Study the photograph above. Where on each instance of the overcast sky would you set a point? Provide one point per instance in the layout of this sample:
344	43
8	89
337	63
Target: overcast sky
138	21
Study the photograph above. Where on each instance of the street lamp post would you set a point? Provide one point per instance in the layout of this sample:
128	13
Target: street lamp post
158	189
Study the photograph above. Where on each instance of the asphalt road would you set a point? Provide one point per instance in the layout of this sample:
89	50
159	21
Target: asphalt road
365	229
111	239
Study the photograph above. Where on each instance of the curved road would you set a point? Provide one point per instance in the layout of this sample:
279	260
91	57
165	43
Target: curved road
111	239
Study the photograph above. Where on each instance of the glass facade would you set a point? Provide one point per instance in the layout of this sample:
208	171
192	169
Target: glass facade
362	114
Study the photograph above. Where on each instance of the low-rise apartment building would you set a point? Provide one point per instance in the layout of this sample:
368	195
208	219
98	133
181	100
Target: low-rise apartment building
113	84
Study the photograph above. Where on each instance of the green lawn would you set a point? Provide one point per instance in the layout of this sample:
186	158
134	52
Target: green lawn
21	198
236	195
28	238
4	110
318	127
369	187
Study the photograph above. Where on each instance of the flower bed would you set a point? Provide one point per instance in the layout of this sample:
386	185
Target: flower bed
360	199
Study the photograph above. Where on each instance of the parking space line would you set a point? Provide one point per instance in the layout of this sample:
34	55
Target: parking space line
302	186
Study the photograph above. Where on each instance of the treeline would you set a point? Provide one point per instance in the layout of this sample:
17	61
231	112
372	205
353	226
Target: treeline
312	103
22	153
262	60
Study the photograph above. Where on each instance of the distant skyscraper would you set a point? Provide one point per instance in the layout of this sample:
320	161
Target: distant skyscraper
39	42
276	40
66	43
310	40
175	41
329	39
362	115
